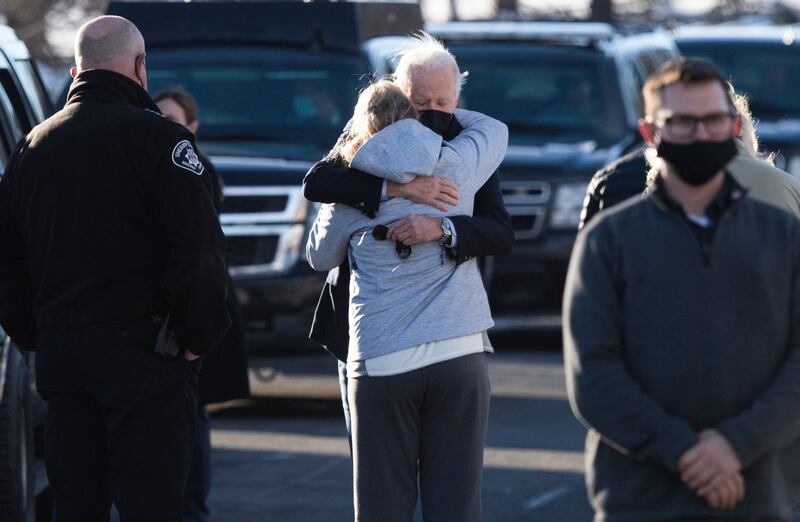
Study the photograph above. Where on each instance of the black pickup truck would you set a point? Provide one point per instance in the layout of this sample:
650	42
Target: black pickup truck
275	82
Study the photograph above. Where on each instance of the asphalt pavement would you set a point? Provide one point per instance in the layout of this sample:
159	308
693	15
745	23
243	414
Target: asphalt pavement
284	457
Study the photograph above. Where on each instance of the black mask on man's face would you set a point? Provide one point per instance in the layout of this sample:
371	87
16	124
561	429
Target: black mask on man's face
437	121
697	162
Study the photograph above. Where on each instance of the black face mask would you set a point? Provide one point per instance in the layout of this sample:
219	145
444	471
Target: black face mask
697	162
437	121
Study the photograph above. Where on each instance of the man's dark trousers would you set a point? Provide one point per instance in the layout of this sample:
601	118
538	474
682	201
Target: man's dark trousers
120	422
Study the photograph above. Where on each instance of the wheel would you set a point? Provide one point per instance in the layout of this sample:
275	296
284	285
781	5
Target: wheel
16	438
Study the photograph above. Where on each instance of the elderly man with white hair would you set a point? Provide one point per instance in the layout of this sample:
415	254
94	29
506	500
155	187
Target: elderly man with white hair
109	232
429	76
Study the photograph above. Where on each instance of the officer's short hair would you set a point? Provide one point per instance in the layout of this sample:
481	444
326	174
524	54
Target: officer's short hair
688	71
182	98
100	50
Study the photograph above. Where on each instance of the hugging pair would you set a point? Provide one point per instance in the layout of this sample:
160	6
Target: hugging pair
417	380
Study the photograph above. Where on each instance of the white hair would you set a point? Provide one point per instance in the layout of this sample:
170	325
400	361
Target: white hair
426	53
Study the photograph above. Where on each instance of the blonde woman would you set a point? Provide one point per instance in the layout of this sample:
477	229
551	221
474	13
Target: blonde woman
418	384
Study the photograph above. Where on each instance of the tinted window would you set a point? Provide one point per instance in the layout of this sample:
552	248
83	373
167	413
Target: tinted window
10	132
541	90
281	95
33	87
768	73
23	119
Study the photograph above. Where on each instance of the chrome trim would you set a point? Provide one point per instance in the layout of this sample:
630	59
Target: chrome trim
521	195
287	253
538	214
527	198
238	161
296	206
538	322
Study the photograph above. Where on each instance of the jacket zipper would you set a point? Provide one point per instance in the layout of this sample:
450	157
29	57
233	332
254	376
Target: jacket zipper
705	245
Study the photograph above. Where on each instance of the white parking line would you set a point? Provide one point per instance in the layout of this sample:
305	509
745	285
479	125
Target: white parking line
303	444
544	499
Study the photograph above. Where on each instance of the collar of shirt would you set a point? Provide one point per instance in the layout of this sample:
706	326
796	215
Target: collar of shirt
109	86
730	193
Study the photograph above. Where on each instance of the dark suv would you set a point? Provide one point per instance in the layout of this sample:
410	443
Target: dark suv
570	94
275	82
23	104
763	62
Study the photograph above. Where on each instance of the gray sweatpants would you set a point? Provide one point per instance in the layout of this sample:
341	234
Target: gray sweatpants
430	421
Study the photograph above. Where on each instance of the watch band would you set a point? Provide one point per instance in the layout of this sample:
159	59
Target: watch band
447	233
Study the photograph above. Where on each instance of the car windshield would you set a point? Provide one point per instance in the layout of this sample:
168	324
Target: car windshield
557	92
767	73
252	94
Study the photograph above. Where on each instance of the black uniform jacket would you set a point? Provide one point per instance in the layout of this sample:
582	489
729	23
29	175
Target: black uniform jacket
615	183
106	214
489	232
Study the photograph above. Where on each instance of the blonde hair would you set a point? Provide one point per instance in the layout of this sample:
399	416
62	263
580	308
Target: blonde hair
378	106
426	53
749	138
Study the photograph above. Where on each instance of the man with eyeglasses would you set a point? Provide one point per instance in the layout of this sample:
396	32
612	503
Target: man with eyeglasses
682	327
628	176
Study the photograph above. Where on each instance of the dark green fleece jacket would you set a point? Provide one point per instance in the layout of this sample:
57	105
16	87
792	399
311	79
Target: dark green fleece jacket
671	328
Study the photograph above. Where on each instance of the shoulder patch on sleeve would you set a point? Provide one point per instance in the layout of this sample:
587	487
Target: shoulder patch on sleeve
184	156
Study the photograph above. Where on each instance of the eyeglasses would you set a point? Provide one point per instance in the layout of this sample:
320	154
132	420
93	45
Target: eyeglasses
683	126
379	232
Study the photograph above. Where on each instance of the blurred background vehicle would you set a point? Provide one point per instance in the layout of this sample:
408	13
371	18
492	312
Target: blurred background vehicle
23	104
763	62
276	83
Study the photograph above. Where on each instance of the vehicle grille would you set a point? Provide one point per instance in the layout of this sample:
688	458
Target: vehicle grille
526	202
251	250
251	204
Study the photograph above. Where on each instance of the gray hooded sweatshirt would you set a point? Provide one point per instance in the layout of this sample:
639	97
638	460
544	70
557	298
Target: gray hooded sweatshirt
395	303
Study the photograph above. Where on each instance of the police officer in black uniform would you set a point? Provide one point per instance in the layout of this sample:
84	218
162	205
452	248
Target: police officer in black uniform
108	231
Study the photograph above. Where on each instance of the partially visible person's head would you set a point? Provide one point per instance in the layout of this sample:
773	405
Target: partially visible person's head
112	43
429	75
378	106
748	137
690	118
180	107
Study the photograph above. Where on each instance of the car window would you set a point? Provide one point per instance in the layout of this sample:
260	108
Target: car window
281	96
633	79
10	132
767	74
541	90
648	61
25	120
33	87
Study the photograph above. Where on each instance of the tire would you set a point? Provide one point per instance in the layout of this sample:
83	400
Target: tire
16	440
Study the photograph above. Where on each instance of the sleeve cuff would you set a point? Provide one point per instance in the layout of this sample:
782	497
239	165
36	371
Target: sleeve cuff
739	440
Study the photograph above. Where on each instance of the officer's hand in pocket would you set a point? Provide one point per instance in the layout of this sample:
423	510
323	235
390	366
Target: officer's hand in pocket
189	356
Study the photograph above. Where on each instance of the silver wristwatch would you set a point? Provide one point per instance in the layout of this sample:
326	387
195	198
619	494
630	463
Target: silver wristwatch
447	233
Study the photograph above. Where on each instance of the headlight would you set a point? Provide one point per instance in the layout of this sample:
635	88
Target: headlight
567	205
